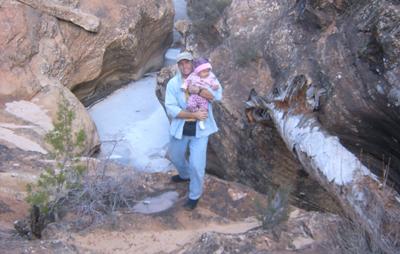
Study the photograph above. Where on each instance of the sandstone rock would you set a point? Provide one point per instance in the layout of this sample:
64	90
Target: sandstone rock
204	15
253	153
183	27
132	41
304	233
163	76
43	58
25	122
86	21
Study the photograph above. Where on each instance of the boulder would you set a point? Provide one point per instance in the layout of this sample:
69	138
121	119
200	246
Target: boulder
50	48
132	41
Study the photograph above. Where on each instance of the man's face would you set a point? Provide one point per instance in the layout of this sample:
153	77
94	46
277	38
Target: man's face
185	67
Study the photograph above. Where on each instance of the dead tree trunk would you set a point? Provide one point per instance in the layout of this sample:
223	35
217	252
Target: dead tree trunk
363	196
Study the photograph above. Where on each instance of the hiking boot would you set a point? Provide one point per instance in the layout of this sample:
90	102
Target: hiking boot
190	204
178	179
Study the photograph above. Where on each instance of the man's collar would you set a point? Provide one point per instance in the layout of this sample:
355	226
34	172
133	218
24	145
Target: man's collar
182	77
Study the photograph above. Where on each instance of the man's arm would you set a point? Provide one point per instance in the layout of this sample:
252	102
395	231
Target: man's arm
171	102
199	115
201	91
206	94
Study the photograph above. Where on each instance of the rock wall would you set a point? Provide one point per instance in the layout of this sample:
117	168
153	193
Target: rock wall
334	62
50	48
250	152
133	40
354	79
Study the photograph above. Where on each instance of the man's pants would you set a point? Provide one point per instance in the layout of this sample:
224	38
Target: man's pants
195	167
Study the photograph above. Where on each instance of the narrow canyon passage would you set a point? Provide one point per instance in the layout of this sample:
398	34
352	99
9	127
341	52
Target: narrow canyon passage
133	126
131	123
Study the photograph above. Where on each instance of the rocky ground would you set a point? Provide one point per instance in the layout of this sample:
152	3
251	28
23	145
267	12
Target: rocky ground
323	112
227	220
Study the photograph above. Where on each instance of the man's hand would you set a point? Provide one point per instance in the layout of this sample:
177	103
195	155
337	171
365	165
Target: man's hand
200	115
193	89
206	94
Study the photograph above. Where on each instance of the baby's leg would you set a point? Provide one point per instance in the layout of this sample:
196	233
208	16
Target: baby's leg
192	104
203	105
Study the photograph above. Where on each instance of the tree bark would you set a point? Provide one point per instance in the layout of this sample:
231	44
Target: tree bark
364	197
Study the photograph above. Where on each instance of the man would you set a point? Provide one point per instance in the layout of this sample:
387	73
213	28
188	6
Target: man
185	132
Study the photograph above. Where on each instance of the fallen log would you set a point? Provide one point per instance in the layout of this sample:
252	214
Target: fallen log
363	196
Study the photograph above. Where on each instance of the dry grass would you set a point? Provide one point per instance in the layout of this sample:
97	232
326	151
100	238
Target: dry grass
101	195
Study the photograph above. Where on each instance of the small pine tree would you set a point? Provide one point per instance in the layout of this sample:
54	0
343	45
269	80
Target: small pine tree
54	184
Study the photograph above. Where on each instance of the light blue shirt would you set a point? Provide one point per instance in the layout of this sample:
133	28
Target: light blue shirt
175	102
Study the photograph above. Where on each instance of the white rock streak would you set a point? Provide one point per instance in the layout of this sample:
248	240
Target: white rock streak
20	142
15	126
30	112
326	153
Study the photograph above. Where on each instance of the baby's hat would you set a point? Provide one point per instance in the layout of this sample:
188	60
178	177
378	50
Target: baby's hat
201	64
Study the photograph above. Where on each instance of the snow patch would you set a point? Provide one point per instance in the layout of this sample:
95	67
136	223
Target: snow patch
157	204
180	10
171	55
133	127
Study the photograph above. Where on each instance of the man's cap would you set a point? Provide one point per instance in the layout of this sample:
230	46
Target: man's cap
184	56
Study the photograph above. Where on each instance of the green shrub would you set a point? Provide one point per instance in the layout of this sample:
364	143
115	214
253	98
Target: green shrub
54	184
68	187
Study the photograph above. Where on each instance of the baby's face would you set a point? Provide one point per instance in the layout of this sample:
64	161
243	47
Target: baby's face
204	73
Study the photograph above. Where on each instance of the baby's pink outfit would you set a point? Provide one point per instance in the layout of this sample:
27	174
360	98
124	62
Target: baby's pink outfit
195	101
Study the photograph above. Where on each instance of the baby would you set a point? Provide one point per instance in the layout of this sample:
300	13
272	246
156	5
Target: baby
200	79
